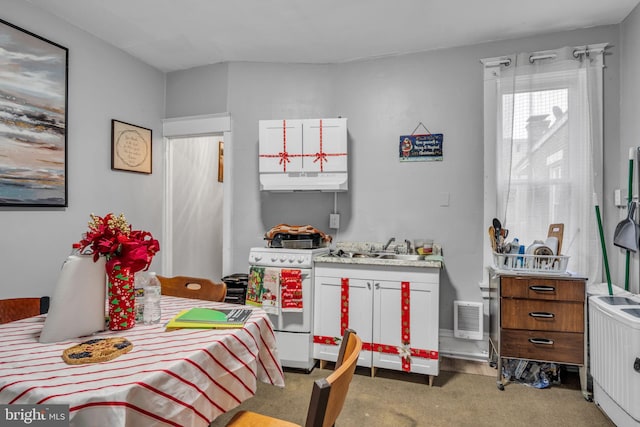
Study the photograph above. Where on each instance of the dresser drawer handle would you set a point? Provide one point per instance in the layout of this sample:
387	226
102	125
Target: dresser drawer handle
544	341
542	315
538	288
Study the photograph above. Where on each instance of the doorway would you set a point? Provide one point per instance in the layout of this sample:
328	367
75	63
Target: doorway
197	206
197	202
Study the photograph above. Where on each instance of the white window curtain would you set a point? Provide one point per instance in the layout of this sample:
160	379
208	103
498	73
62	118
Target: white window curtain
543	149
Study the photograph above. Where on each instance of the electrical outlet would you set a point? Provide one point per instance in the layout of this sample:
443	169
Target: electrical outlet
334	221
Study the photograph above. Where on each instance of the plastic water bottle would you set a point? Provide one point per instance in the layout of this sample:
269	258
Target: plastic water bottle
152	294
141	278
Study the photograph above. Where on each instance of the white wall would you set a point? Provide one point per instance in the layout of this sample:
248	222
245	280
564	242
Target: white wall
629	119
382	99
104	83
188	97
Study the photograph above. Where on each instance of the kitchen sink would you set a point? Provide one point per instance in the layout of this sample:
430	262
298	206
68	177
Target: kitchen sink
405	257
343	254
379	255
363	255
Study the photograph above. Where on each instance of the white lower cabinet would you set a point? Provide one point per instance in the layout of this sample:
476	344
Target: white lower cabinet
393	309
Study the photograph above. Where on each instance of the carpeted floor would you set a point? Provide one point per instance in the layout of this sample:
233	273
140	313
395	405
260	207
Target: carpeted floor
455	399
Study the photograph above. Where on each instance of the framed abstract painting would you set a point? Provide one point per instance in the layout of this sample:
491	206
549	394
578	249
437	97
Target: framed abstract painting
33	119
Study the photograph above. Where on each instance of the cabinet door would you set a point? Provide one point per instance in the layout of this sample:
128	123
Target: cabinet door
326	316
325	145
424	326
328	302
280	146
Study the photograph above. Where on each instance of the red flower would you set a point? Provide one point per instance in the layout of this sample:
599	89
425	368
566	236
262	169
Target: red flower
113	238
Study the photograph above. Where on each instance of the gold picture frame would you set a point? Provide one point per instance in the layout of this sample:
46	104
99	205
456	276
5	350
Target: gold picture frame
220	161
130	147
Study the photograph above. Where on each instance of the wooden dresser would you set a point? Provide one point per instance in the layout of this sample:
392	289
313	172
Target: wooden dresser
540	318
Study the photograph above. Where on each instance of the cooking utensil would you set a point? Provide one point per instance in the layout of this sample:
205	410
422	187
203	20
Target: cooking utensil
627	231
543	250
557	231
497	226
492	238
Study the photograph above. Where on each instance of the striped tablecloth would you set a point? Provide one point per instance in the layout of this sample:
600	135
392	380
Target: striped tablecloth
184	377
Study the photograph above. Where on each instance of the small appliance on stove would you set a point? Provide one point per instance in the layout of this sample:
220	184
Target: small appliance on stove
296	237
293	329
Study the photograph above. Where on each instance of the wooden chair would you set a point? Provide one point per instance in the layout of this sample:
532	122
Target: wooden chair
193	287
327	397
21	308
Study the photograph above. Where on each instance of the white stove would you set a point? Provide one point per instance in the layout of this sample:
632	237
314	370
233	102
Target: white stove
293	330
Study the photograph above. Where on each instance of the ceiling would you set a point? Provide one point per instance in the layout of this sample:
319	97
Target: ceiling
173	35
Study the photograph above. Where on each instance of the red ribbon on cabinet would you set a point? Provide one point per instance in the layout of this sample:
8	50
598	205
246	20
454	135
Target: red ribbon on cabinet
285	156
405	351
321	155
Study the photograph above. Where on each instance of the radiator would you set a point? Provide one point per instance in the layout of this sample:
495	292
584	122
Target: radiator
614	335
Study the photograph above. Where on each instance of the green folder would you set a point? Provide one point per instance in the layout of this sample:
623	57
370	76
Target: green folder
208	318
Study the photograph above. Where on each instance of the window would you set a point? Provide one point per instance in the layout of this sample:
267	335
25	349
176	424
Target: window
543	147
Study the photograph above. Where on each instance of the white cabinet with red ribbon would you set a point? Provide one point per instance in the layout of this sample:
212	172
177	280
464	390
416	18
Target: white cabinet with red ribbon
303	154
395	310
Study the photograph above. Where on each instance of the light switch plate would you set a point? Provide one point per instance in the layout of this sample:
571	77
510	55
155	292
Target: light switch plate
617	197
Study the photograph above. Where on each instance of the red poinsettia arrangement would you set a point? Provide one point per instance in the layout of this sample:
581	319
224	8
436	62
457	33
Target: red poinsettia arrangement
112	237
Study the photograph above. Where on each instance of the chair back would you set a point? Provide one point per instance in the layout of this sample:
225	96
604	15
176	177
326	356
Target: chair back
21	308
193	287
329	394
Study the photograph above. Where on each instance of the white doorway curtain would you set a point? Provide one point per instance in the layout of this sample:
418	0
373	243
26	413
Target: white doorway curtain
543	148
197	207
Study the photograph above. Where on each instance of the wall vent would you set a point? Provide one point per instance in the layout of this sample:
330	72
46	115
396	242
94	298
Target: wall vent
467	320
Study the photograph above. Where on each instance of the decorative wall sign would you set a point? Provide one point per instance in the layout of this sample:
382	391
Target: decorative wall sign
33	119
130	147
421	148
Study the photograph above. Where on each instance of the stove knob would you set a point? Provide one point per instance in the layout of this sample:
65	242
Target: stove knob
274	258
291	259
300	259
257	257
283	258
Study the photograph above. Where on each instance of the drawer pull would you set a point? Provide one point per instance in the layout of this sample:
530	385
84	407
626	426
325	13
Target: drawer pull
542	315
544	341
538	288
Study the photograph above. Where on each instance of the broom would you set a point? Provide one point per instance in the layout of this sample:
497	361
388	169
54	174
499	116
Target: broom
630	200
602	243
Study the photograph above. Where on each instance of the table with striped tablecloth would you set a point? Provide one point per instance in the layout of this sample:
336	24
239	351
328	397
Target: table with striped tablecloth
184	377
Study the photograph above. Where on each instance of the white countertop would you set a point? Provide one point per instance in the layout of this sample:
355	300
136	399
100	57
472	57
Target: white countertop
431	261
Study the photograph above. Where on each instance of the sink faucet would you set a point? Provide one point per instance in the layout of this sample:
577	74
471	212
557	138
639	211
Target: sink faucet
391	240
